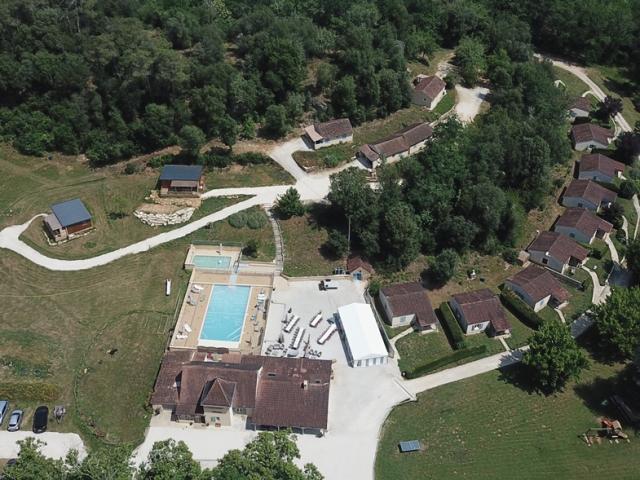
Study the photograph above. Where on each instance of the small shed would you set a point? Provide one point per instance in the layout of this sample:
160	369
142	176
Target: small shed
181	180
68	220
409	446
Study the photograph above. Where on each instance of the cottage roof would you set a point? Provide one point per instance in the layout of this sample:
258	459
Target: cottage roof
431	86
558	246
181	172
480	306
539	283
218	393
584	221
589	132
339	127
71	212
591	191
355	262
581	103
416	133
596	162
409	299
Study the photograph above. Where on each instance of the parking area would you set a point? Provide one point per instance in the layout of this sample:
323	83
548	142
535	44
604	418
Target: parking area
304	299
57	445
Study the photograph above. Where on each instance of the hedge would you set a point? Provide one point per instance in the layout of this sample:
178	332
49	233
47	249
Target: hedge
520	309
29	391
443	361
450	324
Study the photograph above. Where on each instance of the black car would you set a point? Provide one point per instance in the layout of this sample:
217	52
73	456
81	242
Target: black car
40	419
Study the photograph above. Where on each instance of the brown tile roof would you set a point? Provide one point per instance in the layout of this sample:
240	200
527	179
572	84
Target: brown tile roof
481	306
588	132
409	299
285	392
591	191
430	86
539	283
584	221
355	262
596	162
399	142
334	128
558	246
581	103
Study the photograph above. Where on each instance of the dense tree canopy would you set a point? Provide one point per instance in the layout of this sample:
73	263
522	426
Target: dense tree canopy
618	323
117	78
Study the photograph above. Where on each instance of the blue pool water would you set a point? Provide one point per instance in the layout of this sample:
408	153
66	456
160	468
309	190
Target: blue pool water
211	261
225	314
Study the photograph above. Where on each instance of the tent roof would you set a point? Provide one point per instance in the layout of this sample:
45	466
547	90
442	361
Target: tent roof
361	330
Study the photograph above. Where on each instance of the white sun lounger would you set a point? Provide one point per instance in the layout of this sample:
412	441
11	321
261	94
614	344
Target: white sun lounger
187	328
182	337
326	335
316	320
291	324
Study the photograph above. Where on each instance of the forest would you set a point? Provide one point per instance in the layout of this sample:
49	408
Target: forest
117	78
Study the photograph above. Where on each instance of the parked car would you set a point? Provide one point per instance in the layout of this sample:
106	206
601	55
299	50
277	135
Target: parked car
15	420
40	419
4	406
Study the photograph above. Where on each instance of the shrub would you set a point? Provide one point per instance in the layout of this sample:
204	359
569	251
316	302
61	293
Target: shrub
256	220
289	204
238	220
443	267
595	253
613	215
331	160
130	168
337	244
520	309
251	158
443	361
374	287
452	327
158	162
251	248
510	256
628	189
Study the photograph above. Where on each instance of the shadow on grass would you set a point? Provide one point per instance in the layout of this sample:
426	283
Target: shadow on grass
519	376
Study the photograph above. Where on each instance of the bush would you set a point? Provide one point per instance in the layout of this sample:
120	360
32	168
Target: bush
595	252
452	327
130	168
374	287
510	256
520	309
613	215
256	220
443	361
289	204
251	158
238	220
331	160
251	248
160	161
337	244
443	267
628	189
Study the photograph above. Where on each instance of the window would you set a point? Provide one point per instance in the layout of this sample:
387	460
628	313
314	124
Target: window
572	235
545	261
580	205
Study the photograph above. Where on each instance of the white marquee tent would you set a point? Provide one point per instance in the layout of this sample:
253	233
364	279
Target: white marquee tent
362	335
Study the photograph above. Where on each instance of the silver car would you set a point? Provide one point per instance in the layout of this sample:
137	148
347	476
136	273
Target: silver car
15	420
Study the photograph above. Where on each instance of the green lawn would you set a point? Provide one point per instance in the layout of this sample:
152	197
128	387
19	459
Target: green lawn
416	349
393	331
549	314
303	254
574	86
629	213
615	81
520	332
66	322
247	176
487	428
601	266
580	301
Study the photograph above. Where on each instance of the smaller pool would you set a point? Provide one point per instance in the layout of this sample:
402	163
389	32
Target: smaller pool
212	261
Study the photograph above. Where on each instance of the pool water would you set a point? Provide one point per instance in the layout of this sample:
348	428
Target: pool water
212	261
225	314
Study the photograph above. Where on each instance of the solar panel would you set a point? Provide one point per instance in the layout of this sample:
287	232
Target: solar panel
409	446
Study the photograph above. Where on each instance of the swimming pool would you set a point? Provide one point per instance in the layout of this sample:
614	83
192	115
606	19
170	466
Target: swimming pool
212	261
224	319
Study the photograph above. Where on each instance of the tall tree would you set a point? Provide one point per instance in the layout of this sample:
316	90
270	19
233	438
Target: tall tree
553	357
618	322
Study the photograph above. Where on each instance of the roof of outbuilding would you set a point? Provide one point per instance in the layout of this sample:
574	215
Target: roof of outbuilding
71	212
581	103
334	128
584	221
589	132
409	299
431	86
356	261
181	172
558	246
590	190
596	162
480	306
539	283
399	142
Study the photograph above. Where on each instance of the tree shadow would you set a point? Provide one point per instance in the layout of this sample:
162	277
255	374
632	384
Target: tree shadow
324	216
518	375
590	341
624	88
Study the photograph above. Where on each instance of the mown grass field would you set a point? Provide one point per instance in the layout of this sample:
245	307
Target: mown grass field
615	81
572	84
247	176
487	428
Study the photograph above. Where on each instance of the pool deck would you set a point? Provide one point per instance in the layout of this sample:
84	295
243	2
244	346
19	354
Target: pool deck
193	315
213	251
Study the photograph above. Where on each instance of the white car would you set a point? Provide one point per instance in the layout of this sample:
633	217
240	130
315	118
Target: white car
15	420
